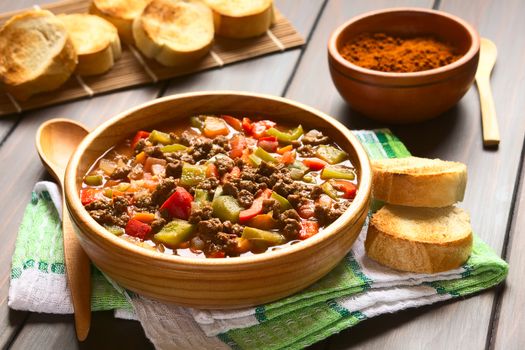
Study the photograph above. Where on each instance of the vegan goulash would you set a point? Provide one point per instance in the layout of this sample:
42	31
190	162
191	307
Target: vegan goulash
220	187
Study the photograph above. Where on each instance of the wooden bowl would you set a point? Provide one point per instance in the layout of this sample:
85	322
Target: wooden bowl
215	283
405	97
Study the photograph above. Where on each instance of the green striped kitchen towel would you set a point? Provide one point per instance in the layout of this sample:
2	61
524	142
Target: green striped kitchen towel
355	290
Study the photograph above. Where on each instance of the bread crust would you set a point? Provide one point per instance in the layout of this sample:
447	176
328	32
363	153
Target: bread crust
31	61
174	32
120	13
96	42
438	184
250	21
387	245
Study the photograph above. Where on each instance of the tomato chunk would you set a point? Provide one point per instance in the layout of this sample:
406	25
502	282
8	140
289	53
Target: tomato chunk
247	125
233	122
314	163
268	143
258	129
88	195
308	229
256	207
348	188
178	205
137	229
138	136
212	171
238	144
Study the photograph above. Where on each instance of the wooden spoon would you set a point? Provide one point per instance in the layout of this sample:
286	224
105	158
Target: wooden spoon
56	140
487	59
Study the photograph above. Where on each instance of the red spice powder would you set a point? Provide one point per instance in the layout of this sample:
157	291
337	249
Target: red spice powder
382	52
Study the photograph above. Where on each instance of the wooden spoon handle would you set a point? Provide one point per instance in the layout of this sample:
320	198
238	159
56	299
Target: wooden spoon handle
78	270
488	112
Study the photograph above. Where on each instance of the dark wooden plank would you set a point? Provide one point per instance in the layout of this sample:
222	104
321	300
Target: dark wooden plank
456	136
508	326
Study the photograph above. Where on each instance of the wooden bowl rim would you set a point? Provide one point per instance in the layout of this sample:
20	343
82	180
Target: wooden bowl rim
80	216
333	52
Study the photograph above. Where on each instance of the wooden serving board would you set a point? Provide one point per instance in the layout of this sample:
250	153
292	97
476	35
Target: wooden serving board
134	69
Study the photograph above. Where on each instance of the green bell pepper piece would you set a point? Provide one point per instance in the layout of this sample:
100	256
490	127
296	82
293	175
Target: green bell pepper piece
329	190
298	170
256	234
218	192
173	148
283	202
175	232
226	208
114	229
267	157
159	137
197	122
337	172
256	161
122	187
286	136
93	180
192	174
330	154
201	196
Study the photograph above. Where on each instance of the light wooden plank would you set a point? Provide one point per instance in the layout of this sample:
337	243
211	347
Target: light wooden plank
455	136
508	334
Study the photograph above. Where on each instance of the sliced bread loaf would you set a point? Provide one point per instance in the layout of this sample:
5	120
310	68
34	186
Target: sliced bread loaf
36	54
96	42
419	182
120	13
174	32
241	18
423	240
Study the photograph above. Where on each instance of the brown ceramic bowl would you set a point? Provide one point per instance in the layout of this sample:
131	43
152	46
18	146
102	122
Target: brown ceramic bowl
215	283
405	97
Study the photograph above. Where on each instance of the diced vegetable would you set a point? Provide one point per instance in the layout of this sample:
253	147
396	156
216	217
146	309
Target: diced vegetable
247	125
192	174
197	122
211	170
308	229
122	187
267	157
348	188
93	180
256	161
235	172
214	127
308	178
137	229
159	137
107	166
268	143
329	190
218	192
263	221
243	245
330	154
141	158
175	232
314	163
307	209
148	165
144	217
116	230
226	208
138	136
283	202
256	207
217	255
272	238
288	157
173	148
337	172
201	196
237	145
297	170
233	122
88	195
286	136
259	128
285	149
178	205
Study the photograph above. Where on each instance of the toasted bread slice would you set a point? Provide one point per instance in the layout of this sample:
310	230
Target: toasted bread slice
36	54
120	13
423	240
96	42
241	18
174	32
419	182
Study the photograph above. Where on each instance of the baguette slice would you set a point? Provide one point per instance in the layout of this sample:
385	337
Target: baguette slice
423	240
241	18
419	182
120	13
174	32
36	54
96	42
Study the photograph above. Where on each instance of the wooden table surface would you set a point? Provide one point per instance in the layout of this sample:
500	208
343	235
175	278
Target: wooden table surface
495	193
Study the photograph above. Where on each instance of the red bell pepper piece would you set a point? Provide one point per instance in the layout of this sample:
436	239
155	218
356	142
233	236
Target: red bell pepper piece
259	128
237	146
314	163
137	229
212	171
88	195
217	255
138	136
348	188
268	143
247	125
233	122
288	157
256	207
178	205
308	229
